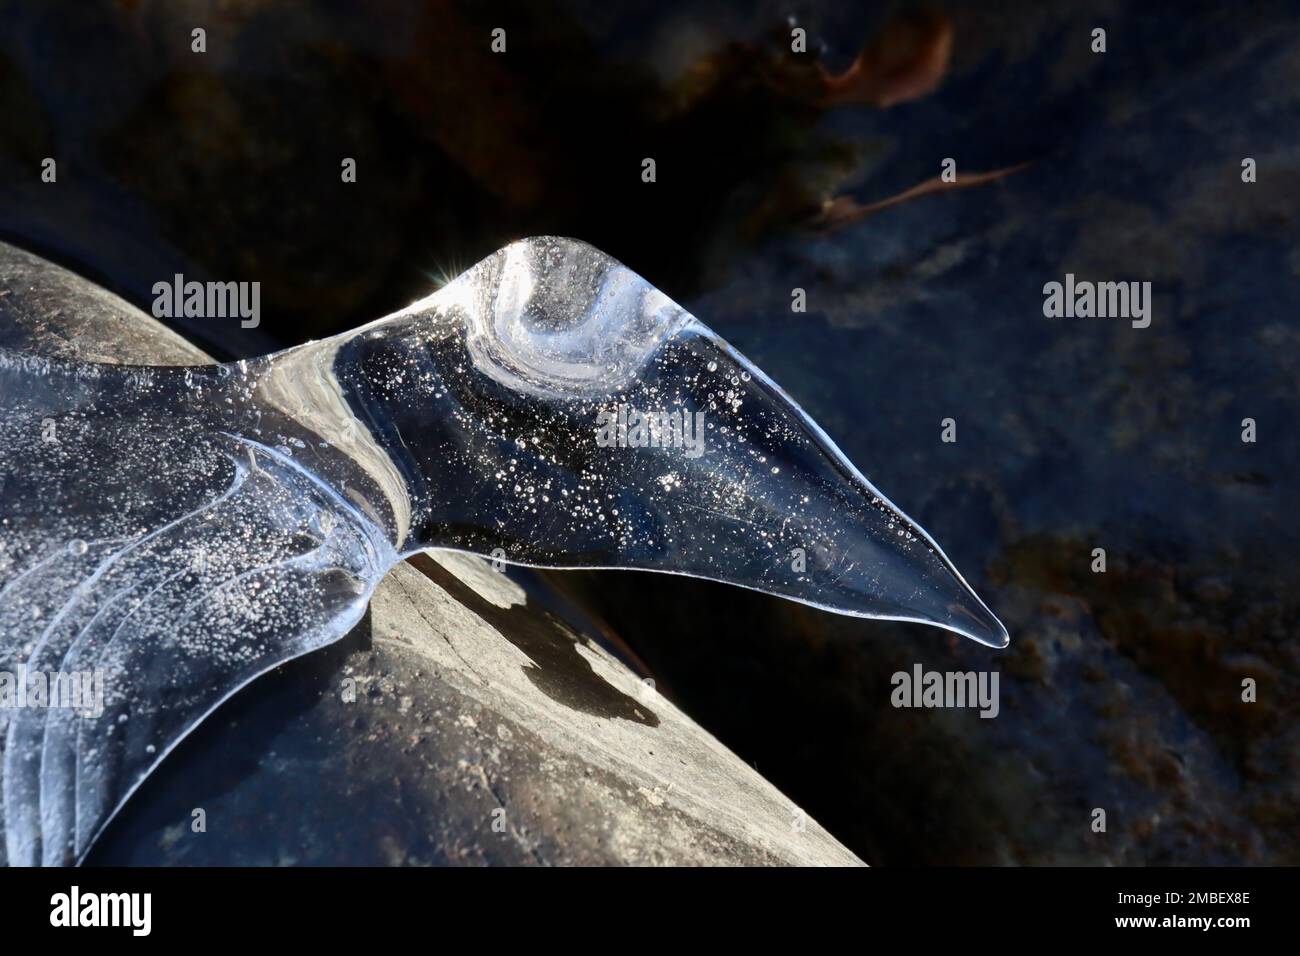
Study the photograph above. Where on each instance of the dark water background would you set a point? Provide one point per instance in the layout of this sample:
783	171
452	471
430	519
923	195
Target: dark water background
1120	690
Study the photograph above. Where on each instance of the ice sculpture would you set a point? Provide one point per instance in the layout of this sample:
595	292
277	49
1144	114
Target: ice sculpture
180	531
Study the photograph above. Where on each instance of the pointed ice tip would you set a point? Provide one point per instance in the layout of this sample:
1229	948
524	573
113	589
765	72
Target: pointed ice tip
952	604
973	619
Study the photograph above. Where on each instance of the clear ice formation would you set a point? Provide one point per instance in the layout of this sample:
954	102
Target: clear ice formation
183	530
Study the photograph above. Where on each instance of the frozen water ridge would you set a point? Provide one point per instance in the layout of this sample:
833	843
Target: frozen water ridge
183	530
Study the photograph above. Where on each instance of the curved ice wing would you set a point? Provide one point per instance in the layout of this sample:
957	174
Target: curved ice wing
140	610
555	409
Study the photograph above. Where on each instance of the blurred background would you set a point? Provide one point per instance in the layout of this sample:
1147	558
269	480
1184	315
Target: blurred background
818	170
